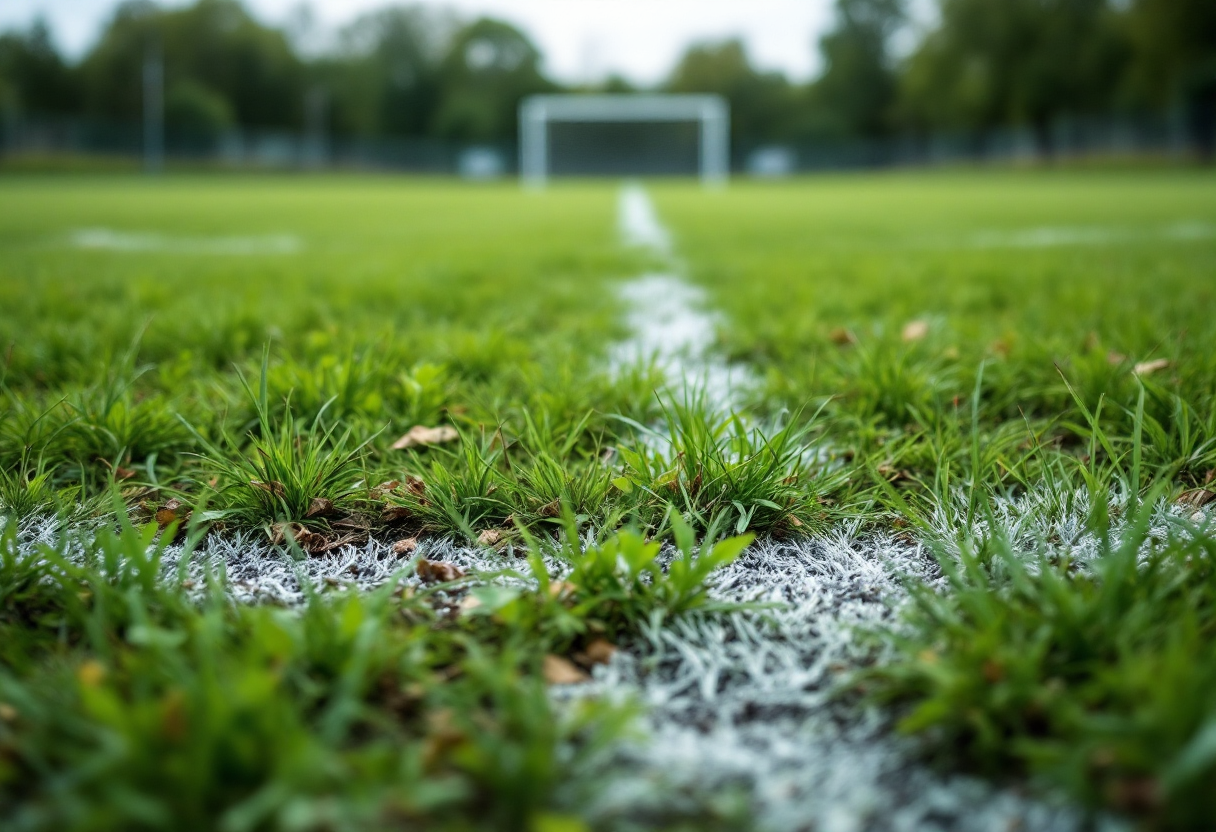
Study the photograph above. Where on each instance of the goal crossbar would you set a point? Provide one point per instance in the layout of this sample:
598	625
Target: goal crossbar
711	112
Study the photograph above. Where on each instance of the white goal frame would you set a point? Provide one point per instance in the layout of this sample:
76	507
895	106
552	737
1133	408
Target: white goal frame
537	112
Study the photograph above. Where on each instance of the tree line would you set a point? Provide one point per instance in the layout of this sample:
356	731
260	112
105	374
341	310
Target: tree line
419	71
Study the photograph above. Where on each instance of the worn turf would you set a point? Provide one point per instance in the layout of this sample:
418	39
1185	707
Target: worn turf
967	413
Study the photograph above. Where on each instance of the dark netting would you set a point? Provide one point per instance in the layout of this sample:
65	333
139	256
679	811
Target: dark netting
650	148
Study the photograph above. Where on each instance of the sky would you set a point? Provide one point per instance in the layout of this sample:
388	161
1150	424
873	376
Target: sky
582	40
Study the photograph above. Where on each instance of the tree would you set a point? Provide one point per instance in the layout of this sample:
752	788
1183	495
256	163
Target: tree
1174	61
489	68
856	94
993	62
386	77
37	79
213	46
760	102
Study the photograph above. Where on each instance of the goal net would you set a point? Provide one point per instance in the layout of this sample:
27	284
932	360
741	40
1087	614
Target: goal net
624	135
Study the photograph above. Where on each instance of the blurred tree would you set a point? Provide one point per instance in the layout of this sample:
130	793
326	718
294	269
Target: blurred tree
489	67
994	62
36	79
1174	61
385	78
214	44
196	116
760	102
856	94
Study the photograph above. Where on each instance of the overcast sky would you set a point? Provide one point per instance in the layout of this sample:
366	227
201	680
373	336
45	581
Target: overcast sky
581	39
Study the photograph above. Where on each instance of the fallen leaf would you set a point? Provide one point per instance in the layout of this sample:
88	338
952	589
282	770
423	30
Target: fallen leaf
304	537
550	509
421	436
121	473
469	602
1197	497
415	485
842	337
489	537
1114	359
173	504
915	330
561	589
600	651
559	671
795	522
273	487
395	514
1144	368
405	547
91	673
319	507
383	488
436	571
165	516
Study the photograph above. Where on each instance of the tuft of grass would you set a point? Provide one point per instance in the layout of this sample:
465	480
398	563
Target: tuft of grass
716	472
284	474
1086	674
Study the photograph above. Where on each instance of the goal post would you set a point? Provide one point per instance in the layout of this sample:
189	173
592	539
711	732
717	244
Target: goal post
538	113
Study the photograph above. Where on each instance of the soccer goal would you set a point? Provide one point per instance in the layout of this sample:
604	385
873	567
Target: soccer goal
624	135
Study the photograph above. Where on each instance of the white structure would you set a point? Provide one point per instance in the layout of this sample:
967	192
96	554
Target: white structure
711	112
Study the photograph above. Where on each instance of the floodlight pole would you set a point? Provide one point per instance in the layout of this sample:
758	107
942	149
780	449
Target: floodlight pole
154	110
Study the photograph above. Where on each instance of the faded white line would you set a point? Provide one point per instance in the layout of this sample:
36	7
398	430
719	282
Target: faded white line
668	318
107	239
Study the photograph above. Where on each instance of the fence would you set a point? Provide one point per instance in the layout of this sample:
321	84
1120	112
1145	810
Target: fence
1147	136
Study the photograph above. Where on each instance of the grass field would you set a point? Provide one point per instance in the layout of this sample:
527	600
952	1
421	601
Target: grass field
1016	371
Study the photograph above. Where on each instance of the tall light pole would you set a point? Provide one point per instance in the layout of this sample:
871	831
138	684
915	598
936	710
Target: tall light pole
154	110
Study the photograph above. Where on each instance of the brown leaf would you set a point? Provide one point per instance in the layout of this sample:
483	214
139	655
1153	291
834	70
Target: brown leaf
395	514
562	589
842	337
914	331
405	547
415	485
421	436
559	671
600	651
1145	368
7	712
304	537
319	507
173	504
1114	359
1197	497
435	571
384	488
121	473
489	537
273	487
550	509
165	516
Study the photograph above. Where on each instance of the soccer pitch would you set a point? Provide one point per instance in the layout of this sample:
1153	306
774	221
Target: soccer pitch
851	502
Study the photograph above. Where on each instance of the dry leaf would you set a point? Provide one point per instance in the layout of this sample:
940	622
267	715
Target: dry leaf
405	547
395	514
165	516
415	485
600	651
1144	368
319	507
273	487
121	473
421	436
562	589
915	330
842	337
435	571
7	712
550	509
1197	498
559	671
304	537
489	537
384	488
1114	359
469	602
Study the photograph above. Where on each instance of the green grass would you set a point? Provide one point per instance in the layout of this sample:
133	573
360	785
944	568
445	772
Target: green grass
191	374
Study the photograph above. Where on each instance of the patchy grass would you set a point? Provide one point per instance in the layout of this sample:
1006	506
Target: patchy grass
924	347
